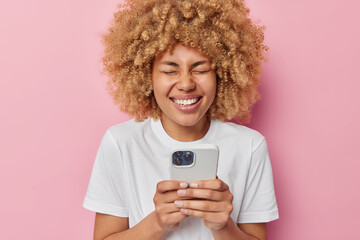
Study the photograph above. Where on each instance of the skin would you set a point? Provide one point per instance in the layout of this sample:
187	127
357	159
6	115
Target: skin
184	72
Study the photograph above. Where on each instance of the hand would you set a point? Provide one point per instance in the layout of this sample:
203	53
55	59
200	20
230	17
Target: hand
168	215
212	203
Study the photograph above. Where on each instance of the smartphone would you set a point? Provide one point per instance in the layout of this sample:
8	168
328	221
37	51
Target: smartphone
195	162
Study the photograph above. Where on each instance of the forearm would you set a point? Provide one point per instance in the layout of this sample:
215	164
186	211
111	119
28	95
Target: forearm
231	231
148	228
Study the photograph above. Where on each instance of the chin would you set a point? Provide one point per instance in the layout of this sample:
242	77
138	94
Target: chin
187	122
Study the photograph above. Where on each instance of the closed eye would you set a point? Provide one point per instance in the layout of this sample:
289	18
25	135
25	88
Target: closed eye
171	72
201	72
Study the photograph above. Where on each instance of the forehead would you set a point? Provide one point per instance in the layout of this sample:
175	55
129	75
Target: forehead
182	53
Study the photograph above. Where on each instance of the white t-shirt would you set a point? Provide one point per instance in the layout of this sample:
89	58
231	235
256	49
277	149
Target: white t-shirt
134	156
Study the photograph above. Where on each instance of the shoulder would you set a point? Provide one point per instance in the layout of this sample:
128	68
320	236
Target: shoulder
129	129
239	129
232	132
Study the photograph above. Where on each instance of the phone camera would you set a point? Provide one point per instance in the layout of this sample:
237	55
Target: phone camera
183	158
178	154
188	159
178	161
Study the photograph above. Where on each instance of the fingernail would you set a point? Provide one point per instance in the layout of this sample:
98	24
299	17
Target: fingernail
184	184
178	203
184	211
181	192
193	185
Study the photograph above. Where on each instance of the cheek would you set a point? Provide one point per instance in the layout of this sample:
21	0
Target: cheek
213	93
161	87
209	87
155	81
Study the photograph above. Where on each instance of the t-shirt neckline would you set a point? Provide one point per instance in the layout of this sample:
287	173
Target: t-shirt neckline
167	140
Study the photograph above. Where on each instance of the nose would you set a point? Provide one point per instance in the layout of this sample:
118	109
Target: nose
186	83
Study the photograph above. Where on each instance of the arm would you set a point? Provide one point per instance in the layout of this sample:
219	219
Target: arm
258	230
110	228
165	218
250	231
107	224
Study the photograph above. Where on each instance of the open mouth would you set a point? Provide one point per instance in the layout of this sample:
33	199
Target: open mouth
187	102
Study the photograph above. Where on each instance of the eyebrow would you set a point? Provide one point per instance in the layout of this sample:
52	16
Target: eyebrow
174	64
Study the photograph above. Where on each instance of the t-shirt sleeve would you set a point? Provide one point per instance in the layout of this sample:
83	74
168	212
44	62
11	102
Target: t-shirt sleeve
103	194
259	202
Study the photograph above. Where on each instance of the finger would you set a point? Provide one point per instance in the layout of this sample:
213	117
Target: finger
166	208
203	194
214	184
167	197
213	220
171	221
169	185
202	205
199	214
175	218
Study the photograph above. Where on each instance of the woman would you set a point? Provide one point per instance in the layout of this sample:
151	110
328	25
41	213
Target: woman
182	68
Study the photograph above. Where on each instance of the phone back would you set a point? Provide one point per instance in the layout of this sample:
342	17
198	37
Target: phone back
195	162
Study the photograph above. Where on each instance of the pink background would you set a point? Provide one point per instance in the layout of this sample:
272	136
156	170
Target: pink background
54	111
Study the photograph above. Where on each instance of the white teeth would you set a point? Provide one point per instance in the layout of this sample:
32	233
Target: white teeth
185	102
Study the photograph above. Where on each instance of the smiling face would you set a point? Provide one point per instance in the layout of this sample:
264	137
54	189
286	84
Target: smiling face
184	86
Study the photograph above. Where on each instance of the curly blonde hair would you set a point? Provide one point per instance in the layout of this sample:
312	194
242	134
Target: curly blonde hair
220	29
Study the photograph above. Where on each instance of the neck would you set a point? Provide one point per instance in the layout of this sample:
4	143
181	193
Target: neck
186	133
